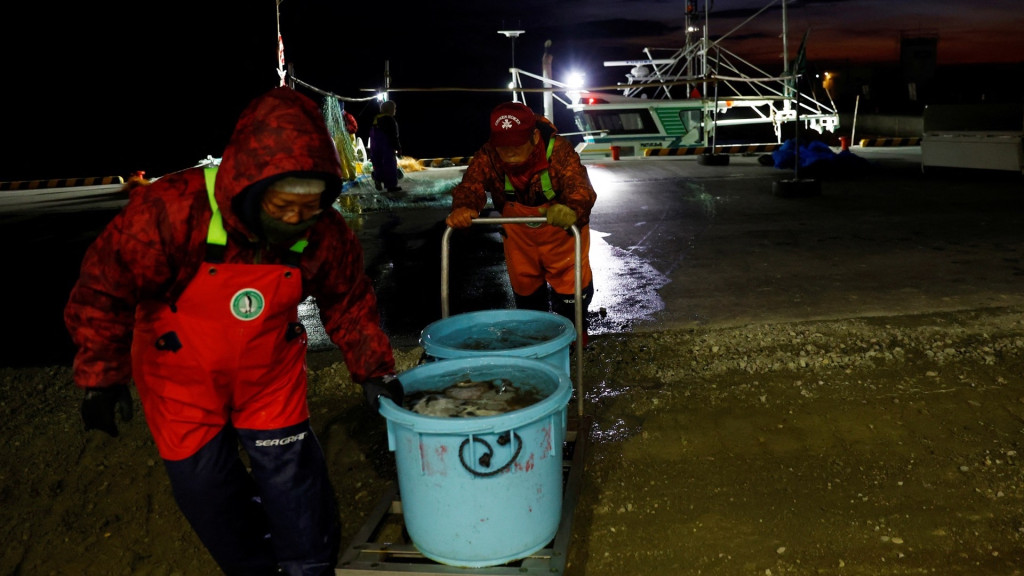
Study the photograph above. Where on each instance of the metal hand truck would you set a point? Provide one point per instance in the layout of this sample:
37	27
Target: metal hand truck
578	293
380	548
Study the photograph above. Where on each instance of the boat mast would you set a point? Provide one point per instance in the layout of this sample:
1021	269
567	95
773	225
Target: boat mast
785	54
546	70
704	50
709	116
785	40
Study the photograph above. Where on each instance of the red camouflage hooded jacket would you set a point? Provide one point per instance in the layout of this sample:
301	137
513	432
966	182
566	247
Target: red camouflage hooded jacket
569	178
155	245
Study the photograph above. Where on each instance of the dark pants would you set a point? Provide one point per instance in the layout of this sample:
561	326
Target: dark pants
546	300
282	514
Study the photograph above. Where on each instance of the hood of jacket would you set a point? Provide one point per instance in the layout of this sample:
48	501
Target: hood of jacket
281	133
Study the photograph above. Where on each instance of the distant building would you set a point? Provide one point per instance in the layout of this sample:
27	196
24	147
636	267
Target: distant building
916	80
919	57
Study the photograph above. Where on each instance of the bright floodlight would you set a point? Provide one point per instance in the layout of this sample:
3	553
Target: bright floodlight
575	80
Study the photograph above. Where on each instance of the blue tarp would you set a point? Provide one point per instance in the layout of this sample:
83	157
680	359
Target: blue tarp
817	158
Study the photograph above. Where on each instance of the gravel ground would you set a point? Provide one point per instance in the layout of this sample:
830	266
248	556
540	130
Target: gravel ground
862	446
859	446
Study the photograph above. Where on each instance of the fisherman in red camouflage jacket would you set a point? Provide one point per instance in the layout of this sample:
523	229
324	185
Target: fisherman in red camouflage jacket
531	171
192	292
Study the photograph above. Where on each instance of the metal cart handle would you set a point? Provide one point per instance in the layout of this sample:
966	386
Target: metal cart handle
578	292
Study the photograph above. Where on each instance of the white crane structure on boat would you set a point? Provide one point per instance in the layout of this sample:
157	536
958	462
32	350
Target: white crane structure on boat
691	96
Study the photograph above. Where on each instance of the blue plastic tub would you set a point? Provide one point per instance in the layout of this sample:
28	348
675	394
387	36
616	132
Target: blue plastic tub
481	491
524	333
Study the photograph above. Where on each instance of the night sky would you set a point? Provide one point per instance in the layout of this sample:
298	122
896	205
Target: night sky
99	89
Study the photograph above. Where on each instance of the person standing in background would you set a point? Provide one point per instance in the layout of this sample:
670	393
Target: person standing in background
385	148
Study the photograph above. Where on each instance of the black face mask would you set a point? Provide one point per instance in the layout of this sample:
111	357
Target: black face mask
280	233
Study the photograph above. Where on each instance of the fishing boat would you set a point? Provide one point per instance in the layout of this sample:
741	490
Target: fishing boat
694	99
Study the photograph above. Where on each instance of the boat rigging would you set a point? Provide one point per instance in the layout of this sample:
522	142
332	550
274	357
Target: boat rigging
694	96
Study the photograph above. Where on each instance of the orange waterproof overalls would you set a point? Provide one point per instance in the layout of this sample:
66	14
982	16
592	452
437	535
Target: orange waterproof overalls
539	253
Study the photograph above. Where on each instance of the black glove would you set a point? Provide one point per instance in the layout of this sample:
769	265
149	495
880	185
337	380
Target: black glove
383	386
99	406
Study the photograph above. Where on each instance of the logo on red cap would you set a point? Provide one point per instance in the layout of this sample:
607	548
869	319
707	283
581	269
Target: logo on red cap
505	121
512	124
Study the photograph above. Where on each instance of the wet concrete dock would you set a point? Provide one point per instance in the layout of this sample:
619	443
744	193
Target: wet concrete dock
679	244
674	244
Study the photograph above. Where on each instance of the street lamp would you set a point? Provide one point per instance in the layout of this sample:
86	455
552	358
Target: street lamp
512	34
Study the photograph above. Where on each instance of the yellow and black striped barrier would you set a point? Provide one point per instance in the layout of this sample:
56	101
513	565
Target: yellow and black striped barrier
445	162
60	183
699	150
907	141
589	150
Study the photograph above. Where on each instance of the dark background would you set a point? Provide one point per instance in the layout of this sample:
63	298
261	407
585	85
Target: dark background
105	89
96	89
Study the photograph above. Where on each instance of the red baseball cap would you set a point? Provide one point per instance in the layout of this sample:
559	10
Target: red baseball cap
512	124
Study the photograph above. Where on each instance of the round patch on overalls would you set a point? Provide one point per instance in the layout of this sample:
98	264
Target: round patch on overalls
247	304
535	224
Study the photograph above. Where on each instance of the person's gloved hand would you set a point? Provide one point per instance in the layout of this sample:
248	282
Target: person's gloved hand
383	386
100	404
461	218
559	215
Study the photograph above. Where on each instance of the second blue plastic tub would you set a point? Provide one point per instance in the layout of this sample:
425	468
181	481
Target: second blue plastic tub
544	336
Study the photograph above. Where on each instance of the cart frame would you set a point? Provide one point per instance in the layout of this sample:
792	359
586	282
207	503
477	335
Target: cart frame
578	291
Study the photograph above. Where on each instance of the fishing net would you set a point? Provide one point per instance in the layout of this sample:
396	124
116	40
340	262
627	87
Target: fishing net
334	116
